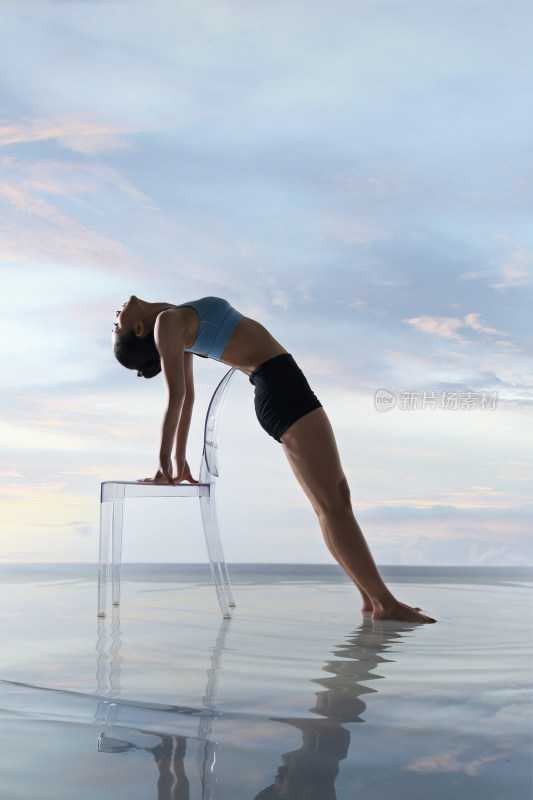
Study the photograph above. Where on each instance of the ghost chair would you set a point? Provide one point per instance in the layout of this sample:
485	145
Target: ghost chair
114	493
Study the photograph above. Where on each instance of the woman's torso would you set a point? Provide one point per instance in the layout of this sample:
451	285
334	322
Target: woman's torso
249	345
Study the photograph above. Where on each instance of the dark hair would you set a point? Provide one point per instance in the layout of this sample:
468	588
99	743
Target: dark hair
140	354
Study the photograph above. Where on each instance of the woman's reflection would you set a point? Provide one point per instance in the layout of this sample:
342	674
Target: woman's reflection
309	773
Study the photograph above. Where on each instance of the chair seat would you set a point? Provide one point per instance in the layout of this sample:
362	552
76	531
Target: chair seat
112	489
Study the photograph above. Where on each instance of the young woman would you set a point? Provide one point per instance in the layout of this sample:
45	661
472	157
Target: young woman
155	337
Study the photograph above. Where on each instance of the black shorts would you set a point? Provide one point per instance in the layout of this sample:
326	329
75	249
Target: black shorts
282	394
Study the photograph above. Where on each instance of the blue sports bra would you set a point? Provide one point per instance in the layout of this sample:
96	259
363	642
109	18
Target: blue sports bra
217	322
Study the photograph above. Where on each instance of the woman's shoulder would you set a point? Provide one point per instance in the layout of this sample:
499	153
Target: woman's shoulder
171	319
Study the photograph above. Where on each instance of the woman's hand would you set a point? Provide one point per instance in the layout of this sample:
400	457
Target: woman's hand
184	471
158	478
165	467
163	474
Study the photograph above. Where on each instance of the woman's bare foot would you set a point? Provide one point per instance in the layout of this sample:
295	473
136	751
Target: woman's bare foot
369	609
400	612
367	606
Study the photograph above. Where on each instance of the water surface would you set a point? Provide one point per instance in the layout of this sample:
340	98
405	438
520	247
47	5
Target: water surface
298	696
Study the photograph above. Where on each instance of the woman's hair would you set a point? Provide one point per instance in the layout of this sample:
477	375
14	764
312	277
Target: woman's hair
140	354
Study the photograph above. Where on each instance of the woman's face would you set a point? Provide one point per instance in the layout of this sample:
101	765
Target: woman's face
127	316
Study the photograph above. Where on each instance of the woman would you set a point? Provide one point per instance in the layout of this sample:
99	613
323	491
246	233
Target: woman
155	337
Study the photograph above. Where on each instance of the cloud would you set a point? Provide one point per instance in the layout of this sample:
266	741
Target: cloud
448	534
449	327
416	551
482	555
451	761
31	204
516	269
76	133
38	229
61	239
281	299
475	274
474	321
316	365
445	327
74	179
20	438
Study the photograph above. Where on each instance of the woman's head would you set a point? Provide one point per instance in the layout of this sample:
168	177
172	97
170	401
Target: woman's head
134	345
138	353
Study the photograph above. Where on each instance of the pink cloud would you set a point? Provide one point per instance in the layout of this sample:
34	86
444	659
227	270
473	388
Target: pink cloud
449	327
76	133
445	327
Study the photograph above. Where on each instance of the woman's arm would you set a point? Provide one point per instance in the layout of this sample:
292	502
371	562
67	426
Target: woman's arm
183	471
176	366
168	339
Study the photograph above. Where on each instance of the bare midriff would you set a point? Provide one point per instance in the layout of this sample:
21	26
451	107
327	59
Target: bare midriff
249	345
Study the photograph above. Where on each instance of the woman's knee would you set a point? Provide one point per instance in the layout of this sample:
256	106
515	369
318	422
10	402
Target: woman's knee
336	499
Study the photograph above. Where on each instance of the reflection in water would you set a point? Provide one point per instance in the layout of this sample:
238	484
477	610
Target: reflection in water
308	773
109	662
169	753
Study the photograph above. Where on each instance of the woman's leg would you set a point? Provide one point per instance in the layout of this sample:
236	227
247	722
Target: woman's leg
367	603
310	447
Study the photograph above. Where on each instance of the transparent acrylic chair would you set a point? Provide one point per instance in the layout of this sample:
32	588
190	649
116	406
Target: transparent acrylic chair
114	493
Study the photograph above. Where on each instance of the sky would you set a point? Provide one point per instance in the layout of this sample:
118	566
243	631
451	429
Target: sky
355	175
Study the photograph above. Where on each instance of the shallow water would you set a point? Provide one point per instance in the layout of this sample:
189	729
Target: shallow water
298	693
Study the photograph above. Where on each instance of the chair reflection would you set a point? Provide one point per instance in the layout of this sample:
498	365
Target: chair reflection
133	725
308	773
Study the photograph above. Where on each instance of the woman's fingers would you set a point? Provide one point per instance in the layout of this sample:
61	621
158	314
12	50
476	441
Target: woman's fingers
187	476
165	470
166	477
159	477
184	472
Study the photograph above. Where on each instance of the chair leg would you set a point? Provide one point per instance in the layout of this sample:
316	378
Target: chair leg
214	551
217	544
116	547
103	562
221	558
